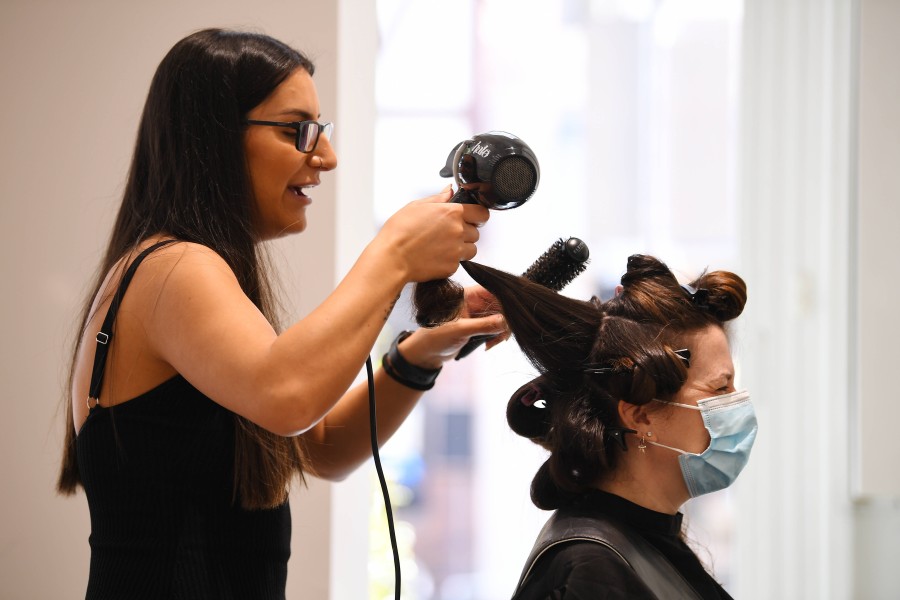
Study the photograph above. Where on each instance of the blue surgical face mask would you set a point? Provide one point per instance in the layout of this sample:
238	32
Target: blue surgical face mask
731	423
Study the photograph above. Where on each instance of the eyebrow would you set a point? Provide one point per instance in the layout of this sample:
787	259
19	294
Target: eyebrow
296	112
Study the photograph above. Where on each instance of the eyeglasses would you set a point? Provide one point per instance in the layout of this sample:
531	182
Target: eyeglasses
308	132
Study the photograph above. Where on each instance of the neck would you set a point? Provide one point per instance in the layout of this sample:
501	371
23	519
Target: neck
647	483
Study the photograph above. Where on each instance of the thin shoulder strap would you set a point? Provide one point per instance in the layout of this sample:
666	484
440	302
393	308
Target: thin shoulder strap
104	336
651	566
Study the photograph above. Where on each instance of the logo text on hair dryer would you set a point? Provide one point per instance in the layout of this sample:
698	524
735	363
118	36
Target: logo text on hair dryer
482	150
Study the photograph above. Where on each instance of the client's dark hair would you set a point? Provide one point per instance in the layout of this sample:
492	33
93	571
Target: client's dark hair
591	354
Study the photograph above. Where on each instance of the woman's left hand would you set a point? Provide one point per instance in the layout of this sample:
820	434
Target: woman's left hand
429	348
339	443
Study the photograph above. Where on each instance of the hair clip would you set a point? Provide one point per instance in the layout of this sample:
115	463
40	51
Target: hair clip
601	371
698	296
530	395
617	435
685	355
619	369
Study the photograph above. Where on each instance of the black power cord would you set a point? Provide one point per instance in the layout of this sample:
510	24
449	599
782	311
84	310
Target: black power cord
384	490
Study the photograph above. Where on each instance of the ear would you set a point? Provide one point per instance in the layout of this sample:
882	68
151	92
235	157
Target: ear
634	416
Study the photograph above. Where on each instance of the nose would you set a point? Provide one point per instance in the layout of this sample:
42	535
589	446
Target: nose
324	157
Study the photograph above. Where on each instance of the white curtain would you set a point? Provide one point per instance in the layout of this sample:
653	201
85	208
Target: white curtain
795	529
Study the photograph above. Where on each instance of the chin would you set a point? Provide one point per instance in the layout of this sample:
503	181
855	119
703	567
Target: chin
295	227
273	233
292	230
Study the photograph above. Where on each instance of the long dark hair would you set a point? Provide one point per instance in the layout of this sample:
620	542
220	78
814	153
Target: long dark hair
591	354
188	180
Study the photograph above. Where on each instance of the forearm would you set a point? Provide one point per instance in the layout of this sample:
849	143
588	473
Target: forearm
317	359
342	441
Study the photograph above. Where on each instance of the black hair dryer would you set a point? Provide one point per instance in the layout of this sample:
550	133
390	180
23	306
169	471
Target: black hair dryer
495	169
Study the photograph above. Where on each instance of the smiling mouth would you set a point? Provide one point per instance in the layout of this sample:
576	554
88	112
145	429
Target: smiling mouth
300	191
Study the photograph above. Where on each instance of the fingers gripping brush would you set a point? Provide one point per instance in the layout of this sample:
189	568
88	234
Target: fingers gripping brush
554	269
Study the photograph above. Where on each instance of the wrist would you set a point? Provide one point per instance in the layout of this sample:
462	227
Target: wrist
416	348
404	372
387	258
381	275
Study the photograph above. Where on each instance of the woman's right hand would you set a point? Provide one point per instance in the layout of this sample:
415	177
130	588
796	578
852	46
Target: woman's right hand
432	235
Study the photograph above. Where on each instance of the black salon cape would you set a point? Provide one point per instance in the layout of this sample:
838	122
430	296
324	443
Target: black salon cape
591	571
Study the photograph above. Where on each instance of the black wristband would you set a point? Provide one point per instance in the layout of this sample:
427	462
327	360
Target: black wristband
409	375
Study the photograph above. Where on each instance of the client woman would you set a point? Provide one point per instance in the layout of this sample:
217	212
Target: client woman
636	404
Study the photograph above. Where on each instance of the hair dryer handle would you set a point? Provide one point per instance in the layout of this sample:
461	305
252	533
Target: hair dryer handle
463	196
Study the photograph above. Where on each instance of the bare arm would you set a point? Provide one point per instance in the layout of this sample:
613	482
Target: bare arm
205	327
341	441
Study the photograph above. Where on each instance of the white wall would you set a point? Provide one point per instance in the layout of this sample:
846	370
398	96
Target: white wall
75	75
820	188
796	173
878	245
876	478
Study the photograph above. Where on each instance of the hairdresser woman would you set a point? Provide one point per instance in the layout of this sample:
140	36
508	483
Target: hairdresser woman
635	402
191	411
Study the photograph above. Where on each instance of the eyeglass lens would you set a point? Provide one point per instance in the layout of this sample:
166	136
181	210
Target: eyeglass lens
308	135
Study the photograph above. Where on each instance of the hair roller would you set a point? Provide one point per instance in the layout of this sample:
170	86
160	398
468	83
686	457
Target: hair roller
641	266
726	294
545	493
528	410
643	386
578	451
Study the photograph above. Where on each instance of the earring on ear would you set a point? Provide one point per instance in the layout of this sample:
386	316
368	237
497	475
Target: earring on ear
642	446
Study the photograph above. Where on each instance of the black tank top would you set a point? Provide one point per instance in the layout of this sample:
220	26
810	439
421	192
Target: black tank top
158	472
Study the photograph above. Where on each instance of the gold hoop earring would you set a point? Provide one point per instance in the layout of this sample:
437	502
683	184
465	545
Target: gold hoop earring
642	446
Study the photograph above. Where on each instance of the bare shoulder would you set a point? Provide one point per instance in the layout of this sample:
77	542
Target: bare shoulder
179	264
187	255
174	280
156	306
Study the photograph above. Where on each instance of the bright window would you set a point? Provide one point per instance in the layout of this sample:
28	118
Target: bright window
631	109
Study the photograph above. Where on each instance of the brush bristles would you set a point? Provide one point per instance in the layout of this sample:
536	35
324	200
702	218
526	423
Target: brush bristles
558	266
